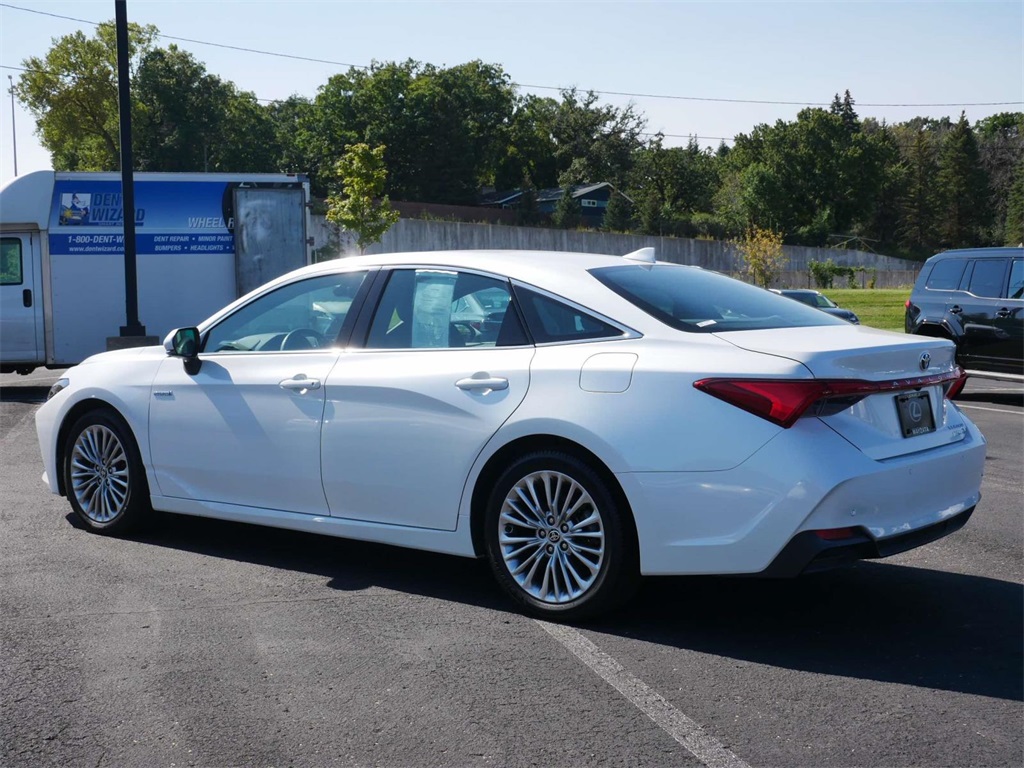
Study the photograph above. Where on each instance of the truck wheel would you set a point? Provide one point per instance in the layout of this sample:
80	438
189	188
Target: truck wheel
557	541
103	474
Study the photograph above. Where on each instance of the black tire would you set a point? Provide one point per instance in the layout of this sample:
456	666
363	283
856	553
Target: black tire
103	474
558	541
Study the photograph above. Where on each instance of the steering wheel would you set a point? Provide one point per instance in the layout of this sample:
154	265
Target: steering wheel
303	338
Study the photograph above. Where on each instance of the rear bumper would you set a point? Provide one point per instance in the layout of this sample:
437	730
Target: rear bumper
743	520
809	553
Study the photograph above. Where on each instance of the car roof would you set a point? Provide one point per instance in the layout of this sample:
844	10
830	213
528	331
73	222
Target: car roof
979	253
541	268
788	291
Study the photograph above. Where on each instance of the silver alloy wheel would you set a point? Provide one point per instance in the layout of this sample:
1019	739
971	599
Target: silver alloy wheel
99	473
551	536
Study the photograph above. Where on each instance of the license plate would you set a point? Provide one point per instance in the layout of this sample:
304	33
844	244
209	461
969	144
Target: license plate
915	411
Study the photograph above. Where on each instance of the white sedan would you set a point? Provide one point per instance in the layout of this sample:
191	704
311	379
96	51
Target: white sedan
613	417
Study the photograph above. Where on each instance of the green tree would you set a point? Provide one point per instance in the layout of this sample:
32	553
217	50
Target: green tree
762	255
963	188
527	212
815	176
444	128
1013	232
288	119
530	144
618	216
1001	150
72	93
917	229
360	205
568	210
881	222
599	141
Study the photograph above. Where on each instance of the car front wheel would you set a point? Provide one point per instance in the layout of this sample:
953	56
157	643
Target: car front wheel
103	474
557	540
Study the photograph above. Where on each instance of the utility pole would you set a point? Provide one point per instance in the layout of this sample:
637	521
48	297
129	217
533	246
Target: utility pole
14	129
133	333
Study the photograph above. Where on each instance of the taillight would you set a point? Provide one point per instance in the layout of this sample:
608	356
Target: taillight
783	401
908	304
956	386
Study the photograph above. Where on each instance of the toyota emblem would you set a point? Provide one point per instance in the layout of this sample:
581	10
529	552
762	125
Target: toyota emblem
926	360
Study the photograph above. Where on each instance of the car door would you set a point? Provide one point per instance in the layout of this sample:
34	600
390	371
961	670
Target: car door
1009	323
407	415
245	429
976	305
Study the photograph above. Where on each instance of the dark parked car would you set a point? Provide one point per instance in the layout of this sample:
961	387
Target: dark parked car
975	298
820	301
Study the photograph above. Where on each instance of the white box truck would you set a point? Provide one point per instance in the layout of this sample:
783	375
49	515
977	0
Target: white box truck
202	240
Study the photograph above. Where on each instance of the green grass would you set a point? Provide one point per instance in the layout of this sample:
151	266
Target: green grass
880	307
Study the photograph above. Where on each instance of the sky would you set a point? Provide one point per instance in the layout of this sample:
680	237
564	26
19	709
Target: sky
960	55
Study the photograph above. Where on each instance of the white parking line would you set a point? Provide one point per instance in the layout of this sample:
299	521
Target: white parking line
982	408
690	734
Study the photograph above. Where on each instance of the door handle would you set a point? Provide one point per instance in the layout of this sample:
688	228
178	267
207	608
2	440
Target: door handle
1003	313
26	297
955	309
300	384
483	385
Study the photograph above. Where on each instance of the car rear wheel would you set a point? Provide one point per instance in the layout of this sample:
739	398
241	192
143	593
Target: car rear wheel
103	474
557	540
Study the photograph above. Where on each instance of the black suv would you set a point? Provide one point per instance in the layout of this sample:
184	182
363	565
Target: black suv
975	297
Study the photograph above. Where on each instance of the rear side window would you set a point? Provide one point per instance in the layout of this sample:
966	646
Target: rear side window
697	301
945	275
444	309
1016	280
987	278
10	261
550	320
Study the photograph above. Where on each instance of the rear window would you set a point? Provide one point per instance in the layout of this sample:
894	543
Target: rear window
697	301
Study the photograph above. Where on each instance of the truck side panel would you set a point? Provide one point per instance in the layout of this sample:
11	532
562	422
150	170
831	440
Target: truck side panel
186	246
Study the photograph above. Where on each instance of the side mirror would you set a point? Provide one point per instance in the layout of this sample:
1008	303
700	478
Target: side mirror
184	343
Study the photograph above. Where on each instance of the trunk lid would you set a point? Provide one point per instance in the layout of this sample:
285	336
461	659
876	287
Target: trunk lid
883	424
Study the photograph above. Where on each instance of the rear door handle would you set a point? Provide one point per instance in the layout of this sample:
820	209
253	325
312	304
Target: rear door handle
300	384
26	297
482	385
1004	312
955	309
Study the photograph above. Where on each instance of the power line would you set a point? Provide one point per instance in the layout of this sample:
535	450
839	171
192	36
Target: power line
307	103
671	97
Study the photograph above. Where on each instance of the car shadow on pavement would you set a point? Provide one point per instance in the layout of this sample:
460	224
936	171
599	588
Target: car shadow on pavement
993	398
25	393
872	621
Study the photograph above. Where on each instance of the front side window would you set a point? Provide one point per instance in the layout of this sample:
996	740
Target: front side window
309	314
444	309
698	301
10	261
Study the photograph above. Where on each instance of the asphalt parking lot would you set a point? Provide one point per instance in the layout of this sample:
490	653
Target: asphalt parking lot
213	644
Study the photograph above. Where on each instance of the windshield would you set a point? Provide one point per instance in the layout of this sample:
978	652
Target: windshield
697	301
